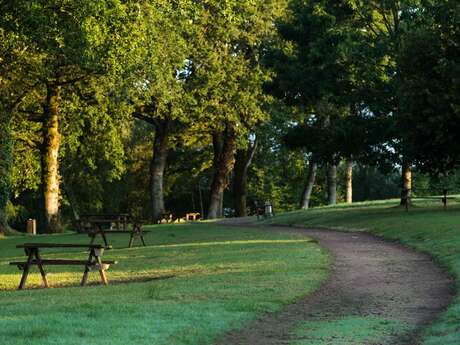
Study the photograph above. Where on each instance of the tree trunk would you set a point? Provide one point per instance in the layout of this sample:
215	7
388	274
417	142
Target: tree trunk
349	188
6	163
157	168
242	162
222	166
331	184
201	200
218	146
306	194
220	210
406	182
50	159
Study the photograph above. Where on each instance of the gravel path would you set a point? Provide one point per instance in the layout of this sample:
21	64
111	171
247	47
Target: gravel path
369	277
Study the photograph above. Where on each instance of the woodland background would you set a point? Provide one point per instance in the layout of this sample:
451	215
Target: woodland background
156	106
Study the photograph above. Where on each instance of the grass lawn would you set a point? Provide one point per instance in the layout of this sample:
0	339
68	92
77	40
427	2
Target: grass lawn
190	284
426	227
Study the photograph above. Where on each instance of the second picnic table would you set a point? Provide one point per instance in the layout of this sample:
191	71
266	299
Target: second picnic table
101	225
97	228
34	257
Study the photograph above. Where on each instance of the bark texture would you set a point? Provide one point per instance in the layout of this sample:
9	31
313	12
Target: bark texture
331	184
243	160
349	182
406	182
50	159
223	164
306	194
158	166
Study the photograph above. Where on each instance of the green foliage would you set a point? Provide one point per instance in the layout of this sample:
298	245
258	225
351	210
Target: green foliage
6	161
430	102
371	184
227	78
321	68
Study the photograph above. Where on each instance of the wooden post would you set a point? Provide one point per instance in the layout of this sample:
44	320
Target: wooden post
444	198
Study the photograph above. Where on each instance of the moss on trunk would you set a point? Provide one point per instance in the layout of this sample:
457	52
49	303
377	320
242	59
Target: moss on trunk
50	159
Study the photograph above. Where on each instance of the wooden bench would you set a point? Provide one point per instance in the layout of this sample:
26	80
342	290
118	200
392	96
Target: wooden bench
194	216
135	232
32	251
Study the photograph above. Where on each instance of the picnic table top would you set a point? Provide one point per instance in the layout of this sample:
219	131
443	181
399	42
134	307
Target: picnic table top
59	245
101	220
109	231
113	215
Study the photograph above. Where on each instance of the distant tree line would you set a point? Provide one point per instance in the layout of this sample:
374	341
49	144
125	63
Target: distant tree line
151	107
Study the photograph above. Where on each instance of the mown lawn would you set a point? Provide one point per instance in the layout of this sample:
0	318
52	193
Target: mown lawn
192	283
427	227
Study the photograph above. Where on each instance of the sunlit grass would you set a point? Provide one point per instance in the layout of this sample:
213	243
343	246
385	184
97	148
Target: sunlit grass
189	285
427	227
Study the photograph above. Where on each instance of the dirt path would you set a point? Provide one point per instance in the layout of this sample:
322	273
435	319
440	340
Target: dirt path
370	277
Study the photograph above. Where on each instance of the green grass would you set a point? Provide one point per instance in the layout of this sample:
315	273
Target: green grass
351	330
426	227
192	283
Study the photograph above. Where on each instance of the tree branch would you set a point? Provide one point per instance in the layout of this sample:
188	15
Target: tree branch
148	119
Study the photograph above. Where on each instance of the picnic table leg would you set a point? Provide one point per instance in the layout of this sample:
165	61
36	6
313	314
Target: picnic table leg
25	270
98	253
87	268
141	235
106	243
42	270
142	239
131	239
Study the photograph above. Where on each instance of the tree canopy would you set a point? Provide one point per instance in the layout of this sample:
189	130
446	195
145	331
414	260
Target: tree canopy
157	107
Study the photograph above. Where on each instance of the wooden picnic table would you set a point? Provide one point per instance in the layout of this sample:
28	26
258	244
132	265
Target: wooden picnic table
120	220
34	257
136	231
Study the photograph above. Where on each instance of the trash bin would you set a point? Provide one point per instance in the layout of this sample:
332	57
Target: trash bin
268	209
31	226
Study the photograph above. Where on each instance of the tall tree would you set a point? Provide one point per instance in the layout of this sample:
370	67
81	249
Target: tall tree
386	23
78	40
227	78
430	103
320	72
157	84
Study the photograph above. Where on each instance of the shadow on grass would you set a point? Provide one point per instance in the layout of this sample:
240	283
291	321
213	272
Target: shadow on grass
143	279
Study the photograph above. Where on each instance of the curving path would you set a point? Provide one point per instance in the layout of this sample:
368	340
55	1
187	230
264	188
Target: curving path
370	277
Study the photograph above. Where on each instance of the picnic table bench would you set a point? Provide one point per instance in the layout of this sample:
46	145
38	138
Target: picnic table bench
136	231
34	257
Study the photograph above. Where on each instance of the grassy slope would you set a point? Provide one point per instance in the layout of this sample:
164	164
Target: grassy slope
214	279
427	228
